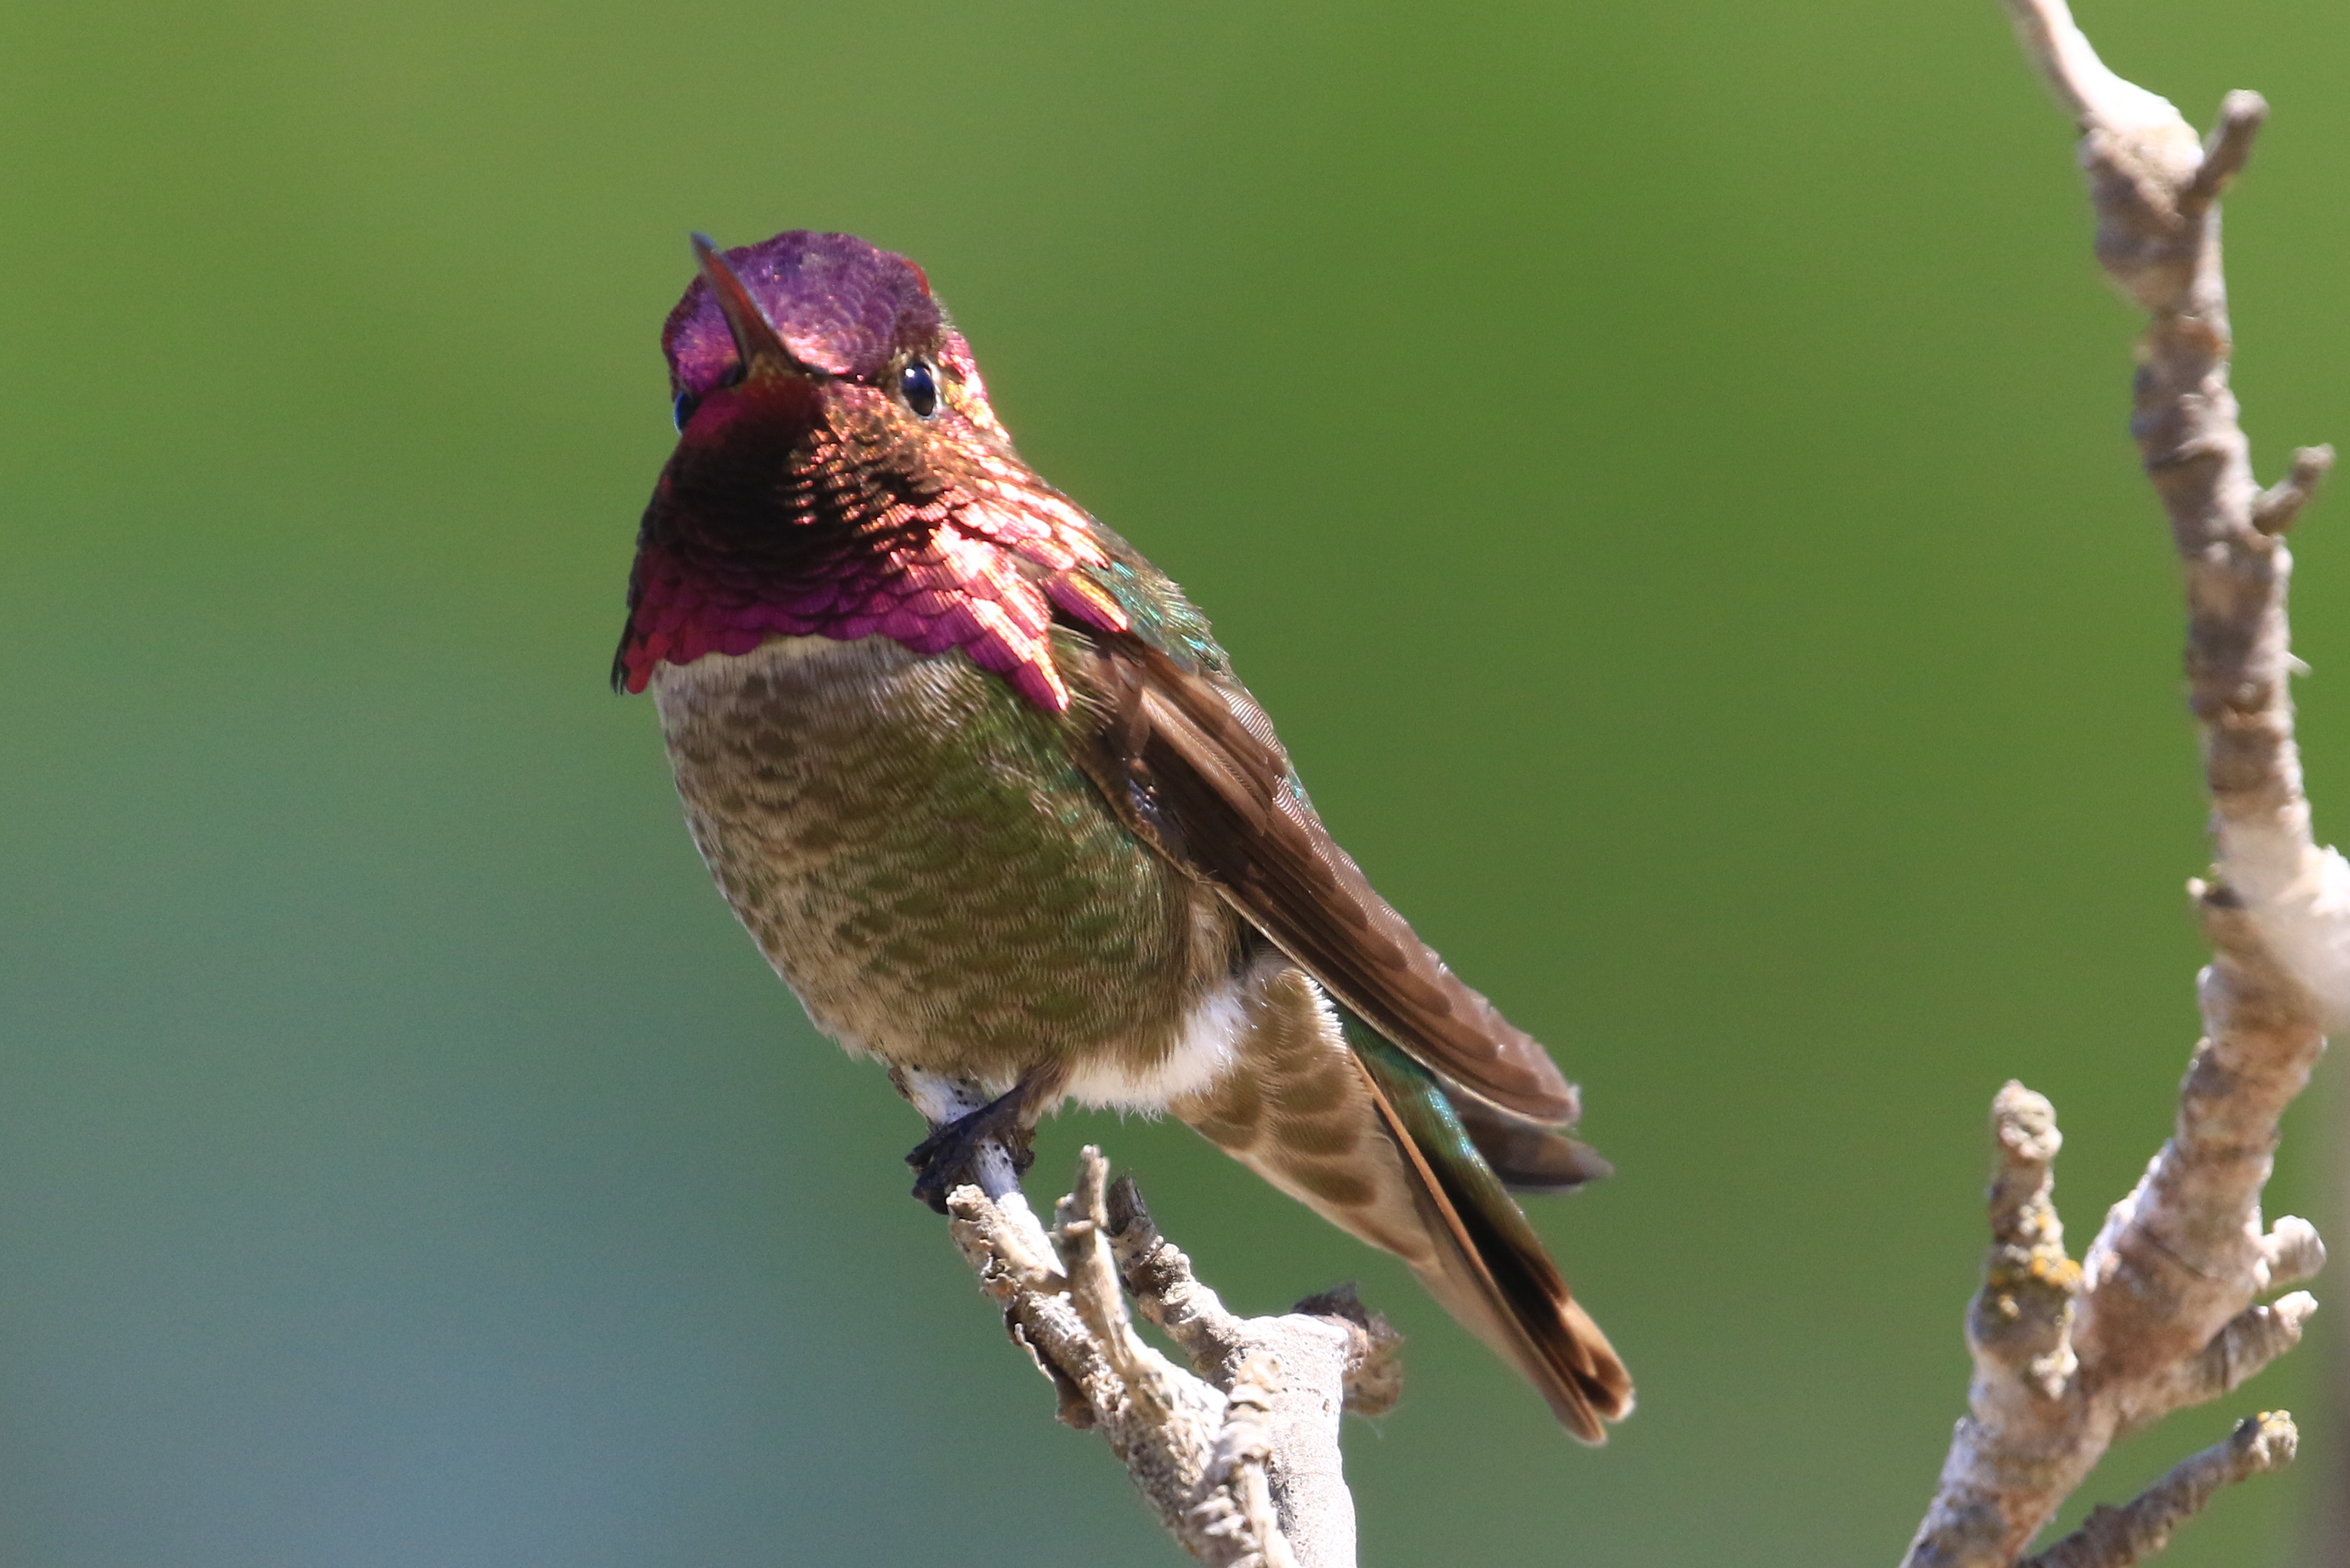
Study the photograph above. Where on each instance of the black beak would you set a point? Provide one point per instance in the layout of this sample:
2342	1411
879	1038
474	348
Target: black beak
762	351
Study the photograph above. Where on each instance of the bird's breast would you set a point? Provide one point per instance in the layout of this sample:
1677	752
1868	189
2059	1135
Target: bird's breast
916	851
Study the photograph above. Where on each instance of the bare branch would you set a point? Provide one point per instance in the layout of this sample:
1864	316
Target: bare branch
1238	1457
2117	1537
2164	1311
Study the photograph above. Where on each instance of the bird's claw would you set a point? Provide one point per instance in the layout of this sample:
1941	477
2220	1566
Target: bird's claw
948	1158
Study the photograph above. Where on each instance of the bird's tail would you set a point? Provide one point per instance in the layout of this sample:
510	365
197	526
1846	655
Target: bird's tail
1490	1270
1325	1108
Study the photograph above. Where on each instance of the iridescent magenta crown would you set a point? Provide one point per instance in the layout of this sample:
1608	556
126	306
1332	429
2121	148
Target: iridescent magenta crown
841	305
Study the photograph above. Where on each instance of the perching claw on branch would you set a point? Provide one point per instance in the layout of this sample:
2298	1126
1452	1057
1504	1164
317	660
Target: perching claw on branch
1239	1456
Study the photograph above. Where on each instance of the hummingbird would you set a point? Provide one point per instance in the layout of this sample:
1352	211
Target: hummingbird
982	786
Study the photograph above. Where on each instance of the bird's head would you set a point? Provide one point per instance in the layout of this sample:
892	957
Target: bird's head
774	339
838	473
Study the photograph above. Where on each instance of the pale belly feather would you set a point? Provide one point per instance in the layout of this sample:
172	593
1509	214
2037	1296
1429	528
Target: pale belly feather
912	848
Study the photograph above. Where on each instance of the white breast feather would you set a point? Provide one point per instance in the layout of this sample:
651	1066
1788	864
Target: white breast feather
1207	1046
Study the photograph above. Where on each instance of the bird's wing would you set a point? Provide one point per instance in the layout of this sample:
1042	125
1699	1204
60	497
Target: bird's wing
1190	761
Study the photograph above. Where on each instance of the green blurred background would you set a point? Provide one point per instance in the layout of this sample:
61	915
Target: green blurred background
1665	467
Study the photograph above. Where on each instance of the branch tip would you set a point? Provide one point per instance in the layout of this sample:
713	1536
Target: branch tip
2294	1251
2227	149
2275	509
1374	1349
2118	1537
2025	1123
2241	1351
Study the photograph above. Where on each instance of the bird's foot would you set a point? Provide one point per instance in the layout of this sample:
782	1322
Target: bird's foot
948	1158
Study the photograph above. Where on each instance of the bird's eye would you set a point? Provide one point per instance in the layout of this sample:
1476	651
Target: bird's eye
918	385
681	408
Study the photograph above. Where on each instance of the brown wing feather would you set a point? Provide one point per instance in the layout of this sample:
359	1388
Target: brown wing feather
1190	761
